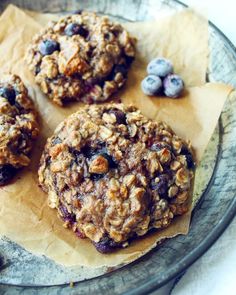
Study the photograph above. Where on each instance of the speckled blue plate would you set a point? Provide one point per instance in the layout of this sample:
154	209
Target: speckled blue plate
214	195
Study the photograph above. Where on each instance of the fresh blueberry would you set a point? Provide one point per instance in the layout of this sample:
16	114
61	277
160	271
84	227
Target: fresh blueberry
106	245
151	85
160	67
120	116
47	47
7	172
162	185
9	94
76	29
173	85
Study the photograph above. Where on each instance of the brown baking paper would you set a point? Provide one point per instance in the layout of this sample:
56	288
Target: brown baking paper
24	215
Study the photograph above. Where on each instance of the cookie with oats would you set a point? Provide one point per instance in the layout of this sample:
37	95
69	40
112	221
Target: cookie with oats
114	174
18	126
82	57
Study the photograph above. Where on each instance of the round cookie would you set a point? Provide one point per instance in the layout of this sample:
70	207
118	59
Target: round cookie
82	57
18	126
113	174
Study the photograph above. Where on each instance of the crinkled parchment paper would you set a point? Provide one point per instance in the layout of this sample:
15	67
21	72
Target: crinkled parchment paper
24	215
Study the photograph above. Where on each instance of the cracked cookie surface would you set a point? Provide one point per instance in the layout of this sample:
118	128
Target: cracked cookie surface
82	57
18	126
113	174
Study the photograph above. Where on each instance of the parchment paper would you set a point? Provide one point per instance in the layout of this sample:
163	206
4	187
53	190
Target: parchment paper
24	215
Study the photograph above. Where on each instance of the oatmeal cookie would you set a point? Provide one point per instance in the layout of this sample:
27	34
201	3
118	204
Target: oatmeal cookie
18	126
82	57
113	174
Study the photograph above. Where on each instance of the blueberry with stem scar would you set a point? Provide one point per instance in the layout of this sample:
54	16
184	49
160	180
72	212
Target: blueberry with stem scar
151	85
160	67
173	85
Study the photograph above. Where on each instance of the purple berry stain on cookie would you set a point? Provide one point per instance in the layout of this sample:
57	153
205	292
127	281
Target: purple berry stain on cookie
120	116
9	94
96	177
79	234
47	47
99	161
111	163
121	69
188	156
129	60
160	67
151	85
160	184
173	85
76	29
100	164
66	215
7	172
106	245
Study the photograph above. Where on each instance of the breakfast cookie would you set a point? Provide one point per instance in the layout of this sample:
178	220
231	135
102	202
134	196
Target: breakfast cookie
18	126
113	174
82	57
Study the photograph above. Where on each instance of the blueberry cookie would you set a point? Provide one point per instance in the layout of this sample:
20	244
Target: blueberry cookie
82	57
113	174
18	126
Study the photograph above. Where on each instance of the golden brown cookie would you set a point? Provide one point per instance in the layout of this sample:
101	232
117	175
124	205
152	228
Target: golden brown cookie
114	174
18	126
82	57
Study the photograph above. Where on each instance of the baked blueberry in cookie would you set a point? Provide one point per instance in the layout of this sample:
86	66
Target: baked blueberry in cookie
114	174
18	126
82	57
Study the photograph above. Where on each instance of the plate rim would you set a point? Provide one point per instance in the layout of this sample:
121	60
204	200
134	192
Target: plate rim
153	284
213	236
